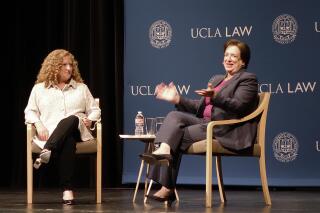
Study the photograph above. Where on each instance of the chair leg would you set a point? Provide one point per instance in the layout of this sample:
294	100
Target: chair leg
148	191
220	179
264	181
146	180
29	178
99	174
209	178
29	165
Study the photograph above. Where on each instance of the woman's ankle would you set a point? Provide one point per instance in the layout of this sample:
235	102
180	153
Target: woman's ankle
163	192
68	195
166	190
164	149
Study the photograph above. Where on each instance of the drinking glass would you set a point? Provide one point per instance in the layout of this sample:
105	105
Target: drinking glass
159	122
151	126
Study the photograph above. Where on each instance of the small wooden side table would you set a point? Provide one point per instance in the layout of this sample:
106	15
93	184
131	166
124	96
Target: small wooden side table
148	147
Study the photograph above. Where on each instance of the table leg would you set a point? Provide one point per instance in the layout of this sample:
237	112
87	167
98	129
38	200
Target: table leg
150	184
147	148
138	180
177	196
146	180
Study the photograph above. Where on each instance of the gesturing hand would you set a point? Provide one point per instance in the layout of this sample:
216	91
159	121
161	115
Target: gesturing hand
209	92
43	133
167	92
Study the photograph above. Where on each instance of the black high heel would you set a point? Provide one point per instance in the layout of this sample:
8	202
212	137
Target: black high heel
161	157
169	199
150	158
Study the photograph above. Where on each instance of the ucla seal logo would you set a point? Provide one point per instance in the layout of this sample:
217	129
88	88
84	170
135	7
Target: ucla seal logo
284	29
160	34
285	147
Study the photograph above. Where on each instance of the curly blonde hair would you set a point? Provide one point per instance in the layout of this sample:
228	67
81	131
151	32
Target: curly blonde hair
51	67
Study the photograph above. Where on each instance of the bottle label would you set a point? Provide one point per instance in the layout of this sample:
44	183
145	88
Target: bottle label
139	121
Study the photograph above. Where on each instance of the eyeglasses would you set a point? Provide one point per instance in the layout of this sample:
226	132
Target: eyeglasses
233	57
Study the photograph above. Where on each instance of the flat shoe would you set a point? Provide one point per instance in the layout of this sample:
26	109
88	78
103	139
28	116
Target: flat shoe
45	156
37	163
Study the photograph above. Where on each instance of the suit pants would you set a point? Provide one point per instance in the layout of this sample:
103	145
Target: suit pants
62	144
179	130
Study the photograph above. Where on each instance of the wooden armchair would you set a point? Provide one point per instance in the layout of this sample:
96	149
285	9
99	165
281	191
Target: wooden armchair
88	147
211	147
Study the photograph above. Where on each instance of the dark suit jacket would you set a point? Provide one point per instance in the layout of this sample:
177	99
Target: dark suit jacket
236	99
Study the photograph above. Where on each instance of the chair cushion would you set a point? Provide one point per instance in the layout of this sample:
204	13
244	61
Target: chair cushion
83	147
201	146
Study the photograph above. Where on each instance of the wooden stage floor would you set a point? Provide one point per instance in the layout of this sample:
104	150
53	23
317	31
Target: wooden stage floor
191	200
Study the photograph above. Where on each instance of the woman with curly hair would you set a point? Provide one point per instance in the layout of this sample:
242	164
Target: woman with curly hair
62	109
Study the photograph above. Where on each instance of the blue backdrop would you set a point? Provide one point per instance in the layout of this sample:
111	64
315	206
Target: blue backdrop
182	41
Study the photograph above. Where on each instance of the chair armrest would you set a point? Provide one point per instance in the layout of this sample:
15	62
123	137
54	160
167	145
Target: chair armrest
31	131
231	121
99	136
99	131
211	124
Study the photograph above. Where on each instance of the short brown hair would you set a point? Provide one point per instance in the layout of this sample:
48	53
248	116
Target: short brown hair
243	47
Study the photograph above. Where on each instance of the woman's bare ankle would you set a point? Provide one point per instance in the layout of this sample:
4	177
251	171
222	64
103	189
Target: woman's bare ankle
163	192
68	195
164	149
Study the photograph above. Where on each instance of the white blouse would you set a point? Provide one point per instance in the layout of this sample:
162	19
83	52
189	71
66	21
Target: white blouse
51	104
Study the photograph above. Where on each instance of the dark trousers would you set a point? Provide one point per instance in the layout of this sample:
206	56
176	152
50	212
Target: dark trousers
179	130
62	144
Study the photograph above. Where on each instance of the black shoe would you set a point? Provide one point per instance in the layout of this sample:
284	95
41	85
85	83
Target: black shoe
68	202
165	159
170	198
148	157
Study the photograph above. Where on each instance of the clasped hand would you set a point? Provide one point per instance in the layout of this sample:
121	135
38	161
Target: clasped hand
167	93
43	133
209	92
87	122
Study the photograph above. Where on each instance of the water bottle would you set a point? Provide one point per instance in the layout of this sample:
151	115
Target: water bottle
139	123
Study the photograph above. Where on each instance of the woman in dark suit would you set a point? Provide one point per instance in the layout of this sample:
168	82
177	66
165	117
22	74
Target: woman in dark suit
228	96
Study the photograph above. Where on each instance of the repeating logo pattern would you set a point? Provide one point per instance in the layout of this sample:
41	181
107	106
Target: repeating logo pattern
160	34
317	27
285	147
284	29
